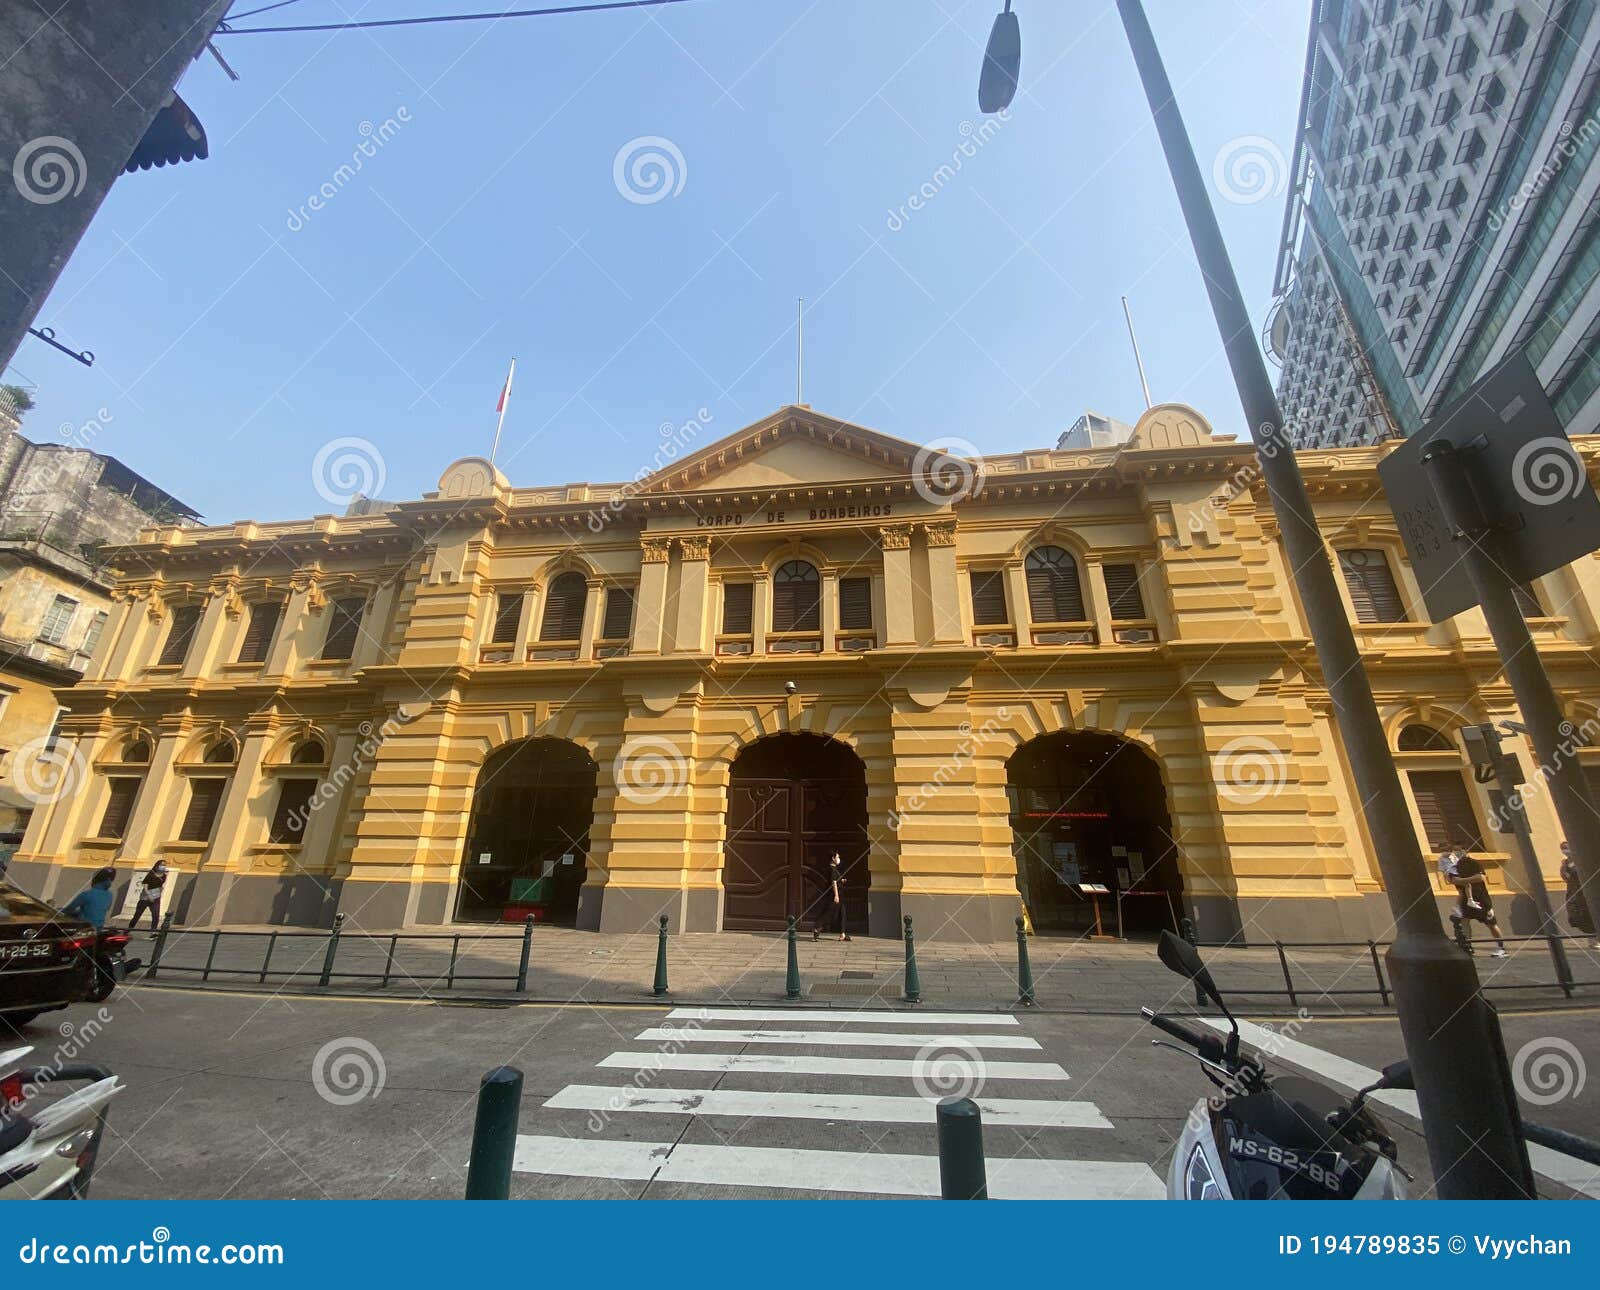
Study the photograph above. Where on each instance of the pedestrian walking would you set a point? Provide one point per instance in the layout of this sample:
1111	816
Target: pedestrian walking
836	884
93	903
150	896
1472	898
1577	907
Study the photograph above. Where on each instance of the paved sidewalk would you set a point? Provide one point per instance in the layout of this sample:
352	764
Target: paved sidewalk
746	968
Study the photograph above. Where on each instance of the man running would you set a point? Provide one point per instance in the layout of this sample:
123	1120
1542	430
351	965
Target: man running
1472	898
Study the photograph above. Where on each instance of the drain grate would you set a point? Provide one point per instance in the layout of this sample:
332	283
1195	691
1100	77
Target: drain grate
845	990
848	975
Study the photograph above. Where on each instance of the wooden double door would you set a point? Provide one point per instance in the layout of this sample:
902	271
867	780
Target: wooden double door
782	830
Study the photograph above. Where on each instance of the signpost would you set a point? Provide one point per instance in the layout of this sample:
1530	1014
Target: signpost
1490	494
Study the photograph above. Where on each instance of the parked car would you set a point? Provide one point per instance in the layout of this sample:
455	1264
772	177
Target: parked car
48	960
52	1121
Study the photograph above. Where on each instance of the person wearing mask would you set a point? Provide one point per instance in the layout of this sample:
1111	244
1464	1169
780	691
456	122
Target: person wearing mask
150	896
93	903
1472	898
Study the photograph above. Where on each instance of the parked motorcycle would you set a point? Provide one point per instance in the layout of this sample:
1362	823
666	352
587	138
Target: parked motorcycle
48	1145
1271	1136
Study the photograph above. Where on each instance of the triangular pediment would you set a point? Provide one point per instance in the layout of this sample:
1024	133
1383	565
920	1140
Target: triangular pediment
793	446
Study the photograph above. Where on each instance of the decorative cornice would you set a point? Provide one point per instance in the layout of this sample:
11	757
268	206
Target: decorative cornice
654	550
895	537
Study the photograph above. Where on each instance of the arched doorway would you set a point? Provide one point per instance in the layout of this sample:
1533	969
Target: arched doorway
1089	811
529	834
793	800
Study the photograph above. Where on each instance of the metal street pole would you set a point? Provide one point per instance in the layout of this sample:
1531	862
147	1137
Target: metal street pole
1541	711
1452	1034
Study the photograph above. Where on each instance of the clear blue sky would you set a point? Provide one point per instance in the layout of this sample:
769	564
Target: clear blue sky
232	347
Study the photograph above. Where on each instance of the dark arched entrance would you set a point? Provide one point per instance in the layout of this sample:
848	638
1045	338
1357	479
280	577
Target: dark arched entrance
793	800
1089	810
529	834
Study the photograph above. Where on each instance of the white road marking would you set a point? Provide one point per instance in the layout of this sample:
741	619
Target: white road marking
837	1016
1556	1166
869	1173
829	1038
1021	1113
782	1064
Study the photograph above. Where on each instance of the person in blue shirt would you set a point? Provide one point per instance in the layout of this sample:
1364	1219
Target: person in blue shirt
93	903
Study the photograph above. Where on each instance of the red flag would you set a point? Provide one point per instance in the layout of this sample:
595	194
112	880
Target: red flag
506	392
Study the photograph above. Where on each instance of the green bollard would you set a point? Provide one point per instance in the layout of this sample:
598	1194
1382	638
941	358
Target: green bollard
1024	968
160	946
961	1169
494	1134
522	963
333	949
791	982
660	987
913	993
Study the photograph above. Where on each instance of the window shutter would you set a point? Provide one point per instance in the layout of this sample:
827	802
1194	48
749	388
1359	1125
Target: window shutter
619	614
344	625
91	638
294	801
119	808
1446	809
796	599
737	598
1527	600
1373	592
507	618
205	796
1122	591
57	619
1054	593
989	598
185	619
855	604
563	609
258	635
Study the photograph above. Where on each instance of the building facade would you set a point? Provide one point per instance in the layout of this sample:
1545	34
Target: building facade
1442	214
59	507
1075	683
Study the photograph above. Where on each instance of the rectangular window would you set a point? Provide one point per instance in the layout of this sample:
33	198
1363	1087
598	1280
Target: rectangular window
507	618
54	737
264	616
1446	809
989	597
619	614
737	598
1122	592
293	810
205	797
57	619
91	638
1372	587
855	604
1527	600
119	806
344	626
180	635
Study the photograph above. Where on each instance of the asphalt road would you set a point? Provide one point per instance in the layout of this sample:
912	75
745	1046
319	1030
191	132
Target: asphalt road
251	1096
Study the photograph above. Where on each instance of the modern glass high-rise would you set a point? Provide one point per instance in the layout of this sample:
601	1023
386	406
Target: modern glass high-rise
1443	212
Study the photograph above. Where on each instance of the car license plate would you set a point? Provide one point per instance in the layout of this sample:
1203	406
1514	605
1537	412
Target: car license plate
26	950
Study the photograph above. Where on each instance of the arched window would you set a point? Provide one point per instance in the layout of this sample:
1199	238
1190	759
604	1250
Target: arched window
1054	593
137	752
309	753
1421	738
796	598
222	753
563	608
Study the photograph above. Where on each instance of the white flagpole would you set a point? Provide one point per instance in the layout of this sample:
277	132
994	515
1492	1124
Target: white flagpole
505	402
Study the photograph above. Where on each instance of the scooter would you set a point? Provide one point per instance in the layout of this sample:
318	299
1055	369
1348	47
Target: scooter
48	1148
111	965
1271	1136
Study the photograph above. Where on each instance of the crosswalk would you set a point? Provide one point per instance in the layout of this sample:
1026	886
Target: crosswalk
824	1102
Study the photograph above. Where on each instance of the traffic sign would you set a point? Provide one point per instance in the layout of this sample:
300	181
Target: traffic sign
1530	481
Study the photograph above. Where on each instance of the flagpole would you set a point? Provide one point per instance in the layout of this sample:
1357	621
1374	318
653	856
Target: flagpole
505	398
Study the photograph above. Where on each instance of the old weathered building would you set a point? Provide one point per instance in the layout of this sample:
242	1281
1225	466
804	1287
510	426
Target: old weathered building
984	683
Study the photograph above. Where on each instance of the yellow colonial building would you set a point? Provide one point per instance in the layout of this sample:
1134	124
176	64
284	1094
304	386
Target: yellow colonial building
1074	681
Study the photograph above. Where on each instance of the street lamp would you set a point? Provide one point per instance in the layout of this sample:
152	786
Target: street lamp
1452	1033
